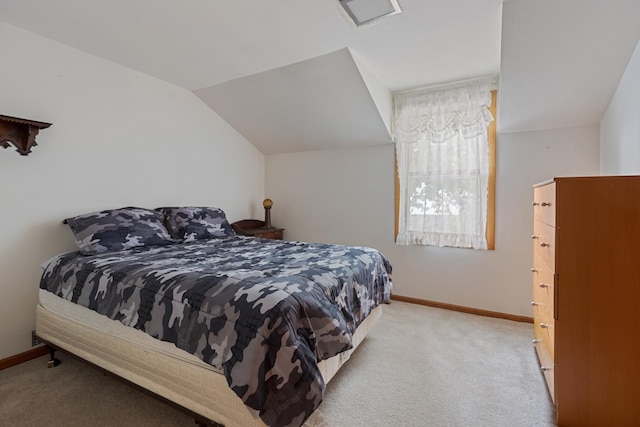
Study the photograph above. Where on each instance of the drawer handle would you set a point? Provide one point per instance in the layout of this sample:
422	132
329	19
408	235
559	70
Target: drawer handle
535	204
543	285
536	341
533	303
545	368
534	270
544	245
545	204
534	237
544	326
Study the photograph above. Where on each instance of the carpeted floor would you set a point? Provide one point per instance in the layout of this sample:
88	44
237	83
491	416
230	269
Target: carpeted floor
420	366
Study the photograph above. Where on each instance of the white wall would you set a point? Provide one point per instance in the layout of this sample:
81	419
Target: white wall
620	126
347	196
119	138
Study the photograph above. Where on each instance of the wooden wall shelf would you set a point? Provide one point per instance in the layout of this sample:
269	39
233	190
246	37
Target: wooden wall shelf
21	133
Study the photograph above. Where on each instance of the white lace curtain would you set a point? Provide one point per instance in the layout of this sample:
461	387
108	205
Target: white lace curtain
443	164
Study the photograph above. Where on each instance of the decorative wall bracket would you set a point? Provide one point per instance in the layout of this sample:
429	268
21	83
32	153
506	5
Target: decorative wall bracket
20	133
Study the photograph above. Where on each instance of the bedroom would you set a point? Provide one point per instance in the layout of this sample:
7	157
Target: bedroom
117	129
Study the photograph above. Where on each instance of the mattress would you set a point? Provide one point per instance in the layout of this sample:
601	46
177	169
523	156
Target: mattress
159	366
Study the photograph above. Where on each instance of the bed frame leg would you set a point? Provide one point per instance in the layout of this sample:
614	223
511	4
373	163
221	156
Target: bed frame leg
53	362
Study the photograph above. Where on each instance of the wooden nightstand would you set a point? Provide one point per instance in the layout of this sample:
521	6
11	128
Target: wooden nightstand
253	227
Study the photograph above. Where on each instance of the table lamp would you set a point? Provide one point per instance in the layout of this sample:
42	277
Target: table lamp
267	203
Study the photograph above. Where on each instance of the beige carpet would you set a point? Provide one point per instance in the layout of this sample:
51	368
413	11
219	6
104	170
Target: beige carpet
420	366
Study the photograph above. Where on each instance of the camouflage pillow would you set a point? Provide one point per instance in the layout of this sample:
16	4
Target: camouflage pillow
189	224
118	229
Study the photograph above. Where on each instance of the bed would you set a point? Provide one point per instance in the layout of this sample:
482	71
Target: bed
239	331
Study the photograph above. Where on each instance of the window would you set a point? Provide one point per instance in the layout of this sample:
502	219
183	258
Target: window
445	153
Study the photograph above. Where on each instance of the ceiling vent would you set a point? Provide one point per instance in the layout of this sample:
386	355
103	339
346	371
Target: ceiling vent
363	12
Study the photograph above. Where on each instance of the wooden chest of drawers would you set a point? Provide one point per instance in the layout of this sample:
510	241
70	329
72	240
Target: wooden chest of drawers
586	297
544	278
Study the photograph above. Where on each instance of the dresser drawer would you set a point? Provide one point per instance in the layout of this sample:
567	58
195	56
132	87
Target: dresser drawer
543	281
547	366
543	303
269	234
544	330
544	209
544	243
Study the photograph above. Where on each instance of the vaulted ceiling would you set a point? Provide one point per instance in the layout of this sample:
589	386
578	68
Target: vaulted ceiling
294	75
320	103
562	60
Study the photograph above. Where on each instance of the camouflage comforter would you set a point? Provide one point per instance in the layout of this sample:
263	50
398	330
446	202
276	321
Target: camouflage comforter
262	311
